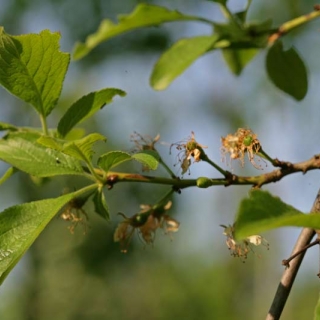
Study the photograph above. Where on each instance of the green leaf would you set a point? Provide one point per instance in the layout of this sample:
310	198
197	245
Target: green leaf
179	57
74	134
51	142
287	71
100	204
262	211
238	59
144	15
82	149
112	159
20	225
85	107
7	127
21	150
148	158
32	68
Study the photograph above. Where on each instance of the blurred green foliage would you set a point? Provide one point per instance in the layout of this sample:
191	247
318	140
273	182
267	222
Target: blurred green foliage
85	277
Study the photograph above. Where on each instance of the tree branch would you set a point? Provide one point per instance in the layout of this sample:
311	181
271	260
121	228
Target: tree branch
292	24
290	273
285	169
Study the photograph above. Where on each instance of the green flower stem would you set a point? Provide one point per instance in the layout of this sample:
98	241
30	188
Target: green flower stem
11	171
264	155
205	158
44	125
141	217
167	168
229	15
163	201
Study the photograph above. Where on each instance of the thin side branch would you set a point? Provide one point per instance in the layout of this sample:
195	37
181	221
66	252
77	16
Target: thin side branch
290	273
292	24
285	169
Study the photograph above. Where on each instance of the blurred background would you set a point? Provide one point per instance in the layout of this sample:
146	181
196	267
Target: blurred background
65	276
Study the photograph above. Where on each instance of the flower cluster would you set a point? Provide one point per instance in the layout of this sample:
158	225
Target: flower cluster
74	213
146	222
243	141
242	248
187	150
143	142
